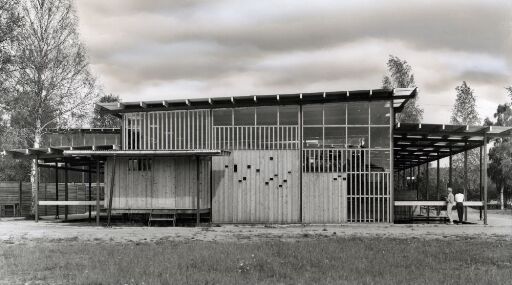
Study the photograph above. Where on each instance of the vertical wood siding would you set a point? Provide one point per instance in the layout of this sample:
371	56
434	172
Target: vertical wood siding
167	130
263	189
168	183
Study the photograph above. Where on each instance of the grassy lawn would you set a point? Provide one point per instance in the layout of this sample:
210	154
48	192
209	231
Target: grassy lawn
326	260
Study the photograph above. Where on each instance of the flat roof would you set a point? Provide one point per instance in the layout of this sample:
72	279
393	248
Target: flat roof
399	96
417	144
82	155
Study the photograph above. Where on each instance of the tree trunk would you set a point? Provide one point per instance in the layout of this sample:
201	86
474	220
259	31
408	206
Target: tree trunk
33	177
502	200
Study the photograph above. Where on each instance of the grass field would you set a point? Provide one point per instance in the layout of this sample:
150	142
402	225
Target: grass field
360	260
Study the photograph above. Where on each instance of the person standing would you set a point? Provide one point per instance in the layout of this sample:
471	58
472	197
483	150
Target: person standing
450	202
459	199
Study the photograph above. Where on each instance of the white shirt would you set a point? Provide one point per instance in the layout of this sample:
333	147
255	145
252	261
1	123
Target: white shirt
459	197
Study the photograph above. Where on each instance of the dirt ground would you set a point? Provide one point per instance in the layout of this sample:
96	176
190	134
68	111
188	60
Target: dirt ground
22	231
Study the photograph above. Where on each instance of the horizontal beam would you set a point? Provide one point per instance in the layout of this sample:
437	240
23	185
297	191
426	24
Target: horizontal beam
69	203
436	203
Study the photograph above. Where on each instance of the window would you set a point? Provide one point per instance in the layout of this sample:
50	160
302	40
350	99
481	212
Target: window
379	160
380	113
335	137
244	116
266	116
357	137
357	113
139	164
288	115
312	114
334	114
222	117
313	137
379	137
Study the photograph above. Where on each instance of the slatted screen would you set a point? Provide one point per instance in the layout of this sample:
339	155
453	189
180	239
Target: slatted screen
167	130
256	137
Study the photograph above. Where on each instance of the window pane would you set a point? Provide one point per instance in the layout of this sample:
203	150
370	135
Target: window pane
222	117
357	113
312	114
379	137
379	113
357	137
313	137
266	115
289	115
379	160
334	137
244	116
334	114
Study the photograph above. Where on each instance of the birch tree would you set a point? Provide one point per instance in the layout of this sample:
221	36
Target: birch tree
401	76
51	84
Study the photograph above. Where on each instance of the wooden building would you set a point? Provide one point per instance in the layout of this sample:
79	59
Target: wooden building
326	157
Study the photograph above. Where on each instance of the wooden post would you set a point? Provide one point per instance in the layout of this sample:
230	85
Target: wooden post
89	180
485	179
428	191
480	184
438	181
198	189
97	193
37	190
465	182
57	188
20	197
111	190
450	170
66	190
391	167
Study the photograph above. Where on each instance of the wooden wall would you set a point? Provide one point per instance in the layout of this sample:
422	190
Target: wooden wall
256	186
324	198
168	183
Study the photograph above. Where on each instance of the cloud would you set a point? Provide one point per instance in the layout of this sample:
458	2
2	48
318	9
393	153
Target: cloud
157	49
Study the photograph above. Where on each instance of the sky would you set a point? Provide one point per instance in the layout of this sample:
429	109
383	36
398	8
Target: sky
160	49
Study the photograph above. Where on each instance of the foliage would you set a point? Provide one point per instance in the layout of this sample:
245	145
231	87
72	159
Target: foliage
401	77
10	25
49	84
464	110
100	120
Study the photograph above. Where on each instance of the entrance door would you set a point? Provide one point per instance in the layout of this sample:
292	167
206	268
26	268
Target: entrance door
324	187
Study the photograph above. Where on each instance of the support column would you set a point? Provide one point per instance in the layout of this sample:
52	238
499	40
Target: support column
36	210
89	180
97	193
111	190
480	183
465	182
450	170
485	179
57	189
66	190
427	186
438	190
198	191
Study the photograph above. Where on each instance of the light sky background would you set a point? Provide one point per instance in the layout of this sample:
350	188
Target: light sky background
147	50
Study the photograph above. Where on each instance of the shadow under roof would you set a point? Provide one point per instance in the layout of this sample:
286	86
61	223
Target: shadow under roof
417	144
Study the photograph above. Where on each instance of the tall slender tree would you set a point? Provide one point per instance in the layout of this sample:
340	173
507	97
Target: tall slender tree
464	110
51	84
401	76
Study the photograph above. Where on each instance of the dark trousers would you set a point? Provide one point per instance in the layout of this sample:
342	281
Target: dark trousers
460	211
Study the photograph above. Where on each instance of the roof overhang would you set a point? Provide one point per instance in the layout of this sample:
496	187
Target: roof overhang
417	144
399	96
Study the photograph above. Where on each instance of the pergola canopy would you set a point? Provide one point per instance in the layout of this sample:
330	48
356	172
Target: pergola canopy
416	144
398	95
